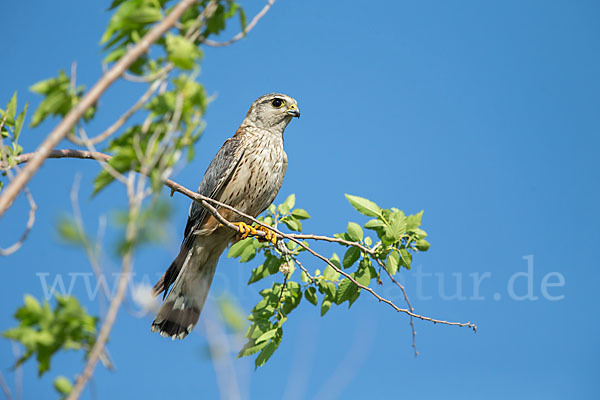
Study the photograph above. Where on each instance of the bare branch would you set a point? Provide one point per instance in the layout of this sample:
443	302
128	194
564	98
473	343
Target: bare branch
293	257
63	153
406	300
30	222
5	388
98	348
91	251
15	187
249	27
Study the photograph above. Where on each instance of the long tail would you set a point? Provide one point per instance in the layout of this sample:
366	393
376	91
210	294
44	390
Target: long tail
181	309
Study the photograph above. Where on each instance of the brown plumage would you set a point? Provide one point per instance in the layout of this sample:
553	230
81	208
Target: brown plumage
246	174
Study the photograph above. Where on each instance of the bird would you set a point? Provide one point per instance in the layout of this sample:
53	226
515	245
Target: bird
246	174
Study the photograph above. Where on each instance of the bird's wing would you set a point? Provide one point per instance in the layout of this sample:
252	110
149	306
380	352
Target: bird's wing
216	178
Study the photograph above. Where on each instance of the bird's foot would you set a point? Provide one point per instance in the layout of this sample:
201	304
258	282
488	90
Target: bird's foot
270	236
245	229
248	230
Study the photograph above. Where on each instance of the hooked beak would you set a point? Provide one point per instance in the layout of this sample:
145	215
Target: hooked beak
294	111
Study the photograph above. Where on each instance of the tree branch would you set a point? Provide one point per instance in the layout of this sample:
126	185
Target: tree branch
115	304
297	238
248	28
15	187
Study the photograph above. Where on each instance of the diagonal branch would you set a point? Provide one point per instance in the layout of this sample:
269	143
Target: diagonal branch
211	205
15	187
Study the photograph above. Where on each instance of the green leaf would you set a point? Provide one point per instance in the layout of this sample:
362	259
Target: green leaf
231	314
243	23
347	291
216	23
397	226
292	224
352	254
270	267
144	15
269	349
181	51
69	232
249	252
63	385
422	245
327	288
364	206
43	331
299	213
251	348
19	121
355	232
375	224
414	221
291	297
11	108
331	274
405	258
32	304
237	248
287	205
266	336
325	306
311	295
58	98
392	263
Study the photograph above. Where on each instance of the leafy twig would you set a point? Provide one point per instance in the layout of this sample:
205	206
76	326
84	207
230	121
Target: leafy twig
68	122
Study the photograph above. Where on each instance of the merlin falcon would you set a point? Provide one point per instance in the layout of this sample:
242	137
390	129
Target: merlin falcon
246	174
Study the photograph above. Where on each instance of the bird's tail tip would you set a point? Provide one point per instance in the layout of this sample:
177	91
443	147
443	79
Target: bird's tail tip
175	322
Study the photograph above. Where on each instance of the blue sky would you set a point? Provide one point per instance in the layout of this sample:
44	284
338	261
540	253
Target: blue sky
484	114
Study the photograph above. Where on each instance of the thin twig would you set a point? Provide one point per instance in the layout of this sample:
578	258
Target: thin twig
5	388
89	249
248	28
407	301
68	122
105	166
293	257
283	287
123	118
30	222
335	240
18	372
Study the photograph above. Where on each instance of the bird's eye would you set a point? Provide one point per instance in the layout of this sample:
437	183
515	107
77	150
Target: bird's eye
277	103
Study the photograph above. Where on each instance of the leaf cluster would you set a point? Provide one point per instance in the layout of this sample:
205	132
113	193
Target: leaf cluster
398	236
11	125
44	331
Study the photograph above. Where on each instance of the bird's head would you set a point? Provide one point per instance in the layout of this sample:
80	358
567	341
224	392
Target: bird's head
273	111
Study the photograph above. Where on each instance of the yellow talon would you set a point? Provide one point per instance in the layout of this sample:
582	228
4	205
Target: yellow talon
269	234
248	230
245	229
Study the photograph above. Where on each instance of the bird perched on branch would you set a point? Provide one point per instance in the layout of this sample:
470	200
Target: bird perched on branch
246	174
